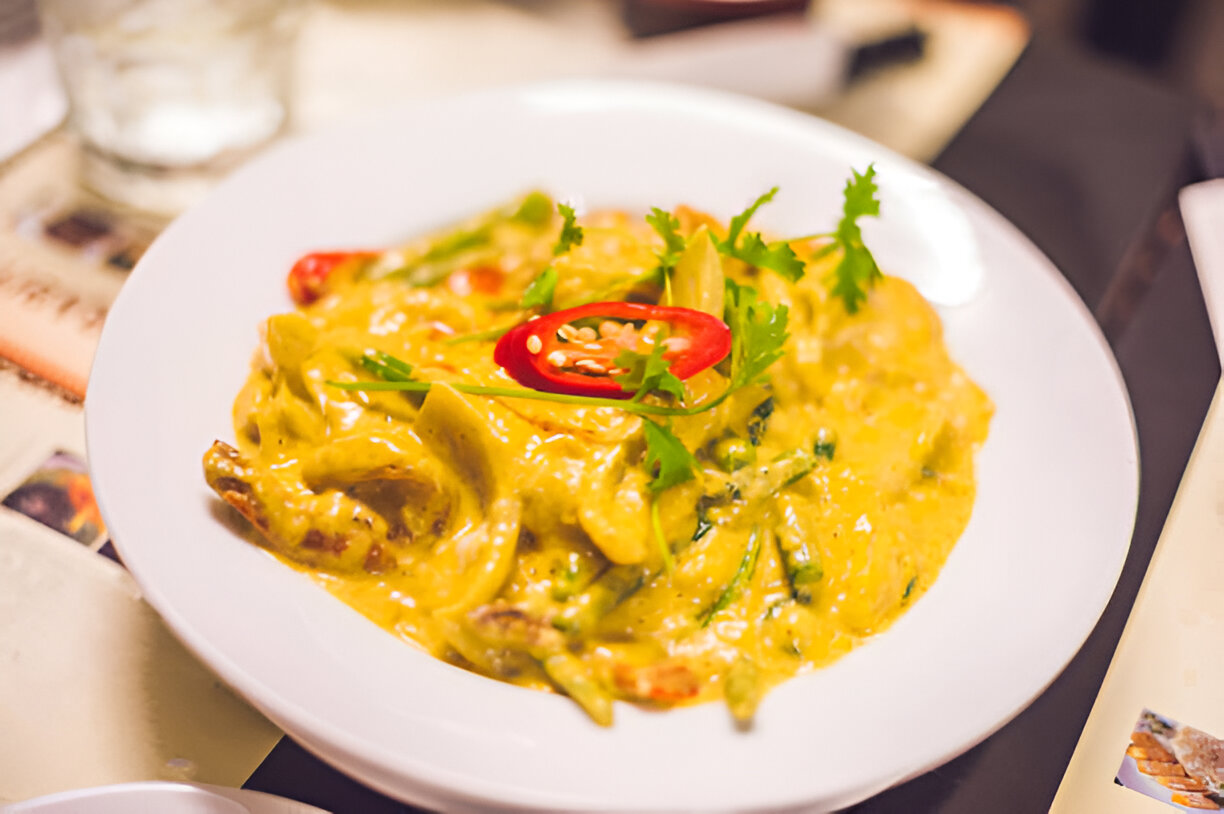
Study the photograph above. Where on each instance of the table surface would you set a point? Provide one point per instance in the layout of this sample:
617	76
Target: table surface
1086	158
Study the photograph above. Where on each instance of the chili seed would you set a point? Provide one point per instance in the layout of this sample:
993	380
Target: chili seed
590	365
586	335
677	344
534	344
556	358
568	332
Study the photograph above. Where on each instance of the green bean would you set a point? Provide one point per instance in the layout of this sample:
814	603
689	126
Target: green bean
743	689
612	587
505	627
572	676
743	574
800	561
770	478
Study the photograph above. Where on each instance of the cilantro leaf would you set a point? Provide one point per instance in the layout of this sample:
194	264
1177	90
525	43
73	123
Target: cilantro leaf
540	291
758	332
741	220
668	227
647	373
777	256
571	233
856	271
752	249
667	460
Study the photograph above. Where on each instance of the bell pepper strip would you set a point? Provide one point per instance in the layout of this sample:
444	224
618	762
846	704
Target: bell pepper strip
308	277
554	354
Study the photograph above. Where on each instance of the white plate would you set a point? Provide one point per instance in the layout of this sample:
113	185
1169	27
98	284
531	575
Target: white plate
1021	591
154	795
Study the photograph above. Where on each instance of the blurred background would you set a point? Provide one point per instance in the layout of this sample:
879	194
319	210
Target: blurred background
1180	42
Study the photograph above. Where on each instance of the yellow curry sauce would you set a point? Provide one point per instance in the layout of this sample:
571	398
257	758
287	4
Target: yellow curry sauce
514	537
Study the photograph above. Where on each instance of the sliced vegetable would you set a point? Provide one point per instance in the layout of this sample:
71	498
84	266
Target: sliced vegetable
308	278
556	354
697	281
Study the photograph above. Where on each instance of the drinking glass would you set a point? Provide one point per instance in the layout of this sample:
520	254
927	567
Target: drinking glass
169	95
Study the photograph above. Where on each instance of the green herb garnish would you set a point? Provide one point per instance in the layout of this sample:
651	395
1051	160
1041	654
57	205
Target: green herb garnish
752	248
540	291
668	227
571	232
647	373
758	332
667	460
856	271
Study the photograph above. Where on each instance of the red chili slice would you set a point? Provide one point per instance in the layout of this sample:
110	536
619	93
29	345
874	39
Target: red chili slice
308	277
552	354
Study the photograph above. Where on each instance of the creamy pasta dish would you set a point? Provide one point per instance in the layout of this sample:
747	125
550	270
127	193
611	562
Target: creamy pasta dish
648	457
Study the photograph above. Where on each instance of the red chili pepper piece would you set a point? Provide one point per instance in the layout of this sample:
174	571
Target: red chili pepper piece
308	277
553	354
478	280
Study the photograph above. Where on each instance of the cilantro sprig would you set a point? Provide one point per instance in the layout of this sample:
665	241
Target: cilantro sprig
647	373
856	271
758	333
751	248
571	233
667	226
667	461
539	292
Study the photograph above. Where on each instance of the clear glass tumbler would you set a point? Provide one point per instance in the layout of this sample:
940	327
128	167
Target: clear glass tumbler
169	95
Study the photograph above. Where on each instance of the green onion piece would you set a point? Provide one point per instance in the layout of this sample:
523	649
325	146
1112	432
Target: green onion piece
386	367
